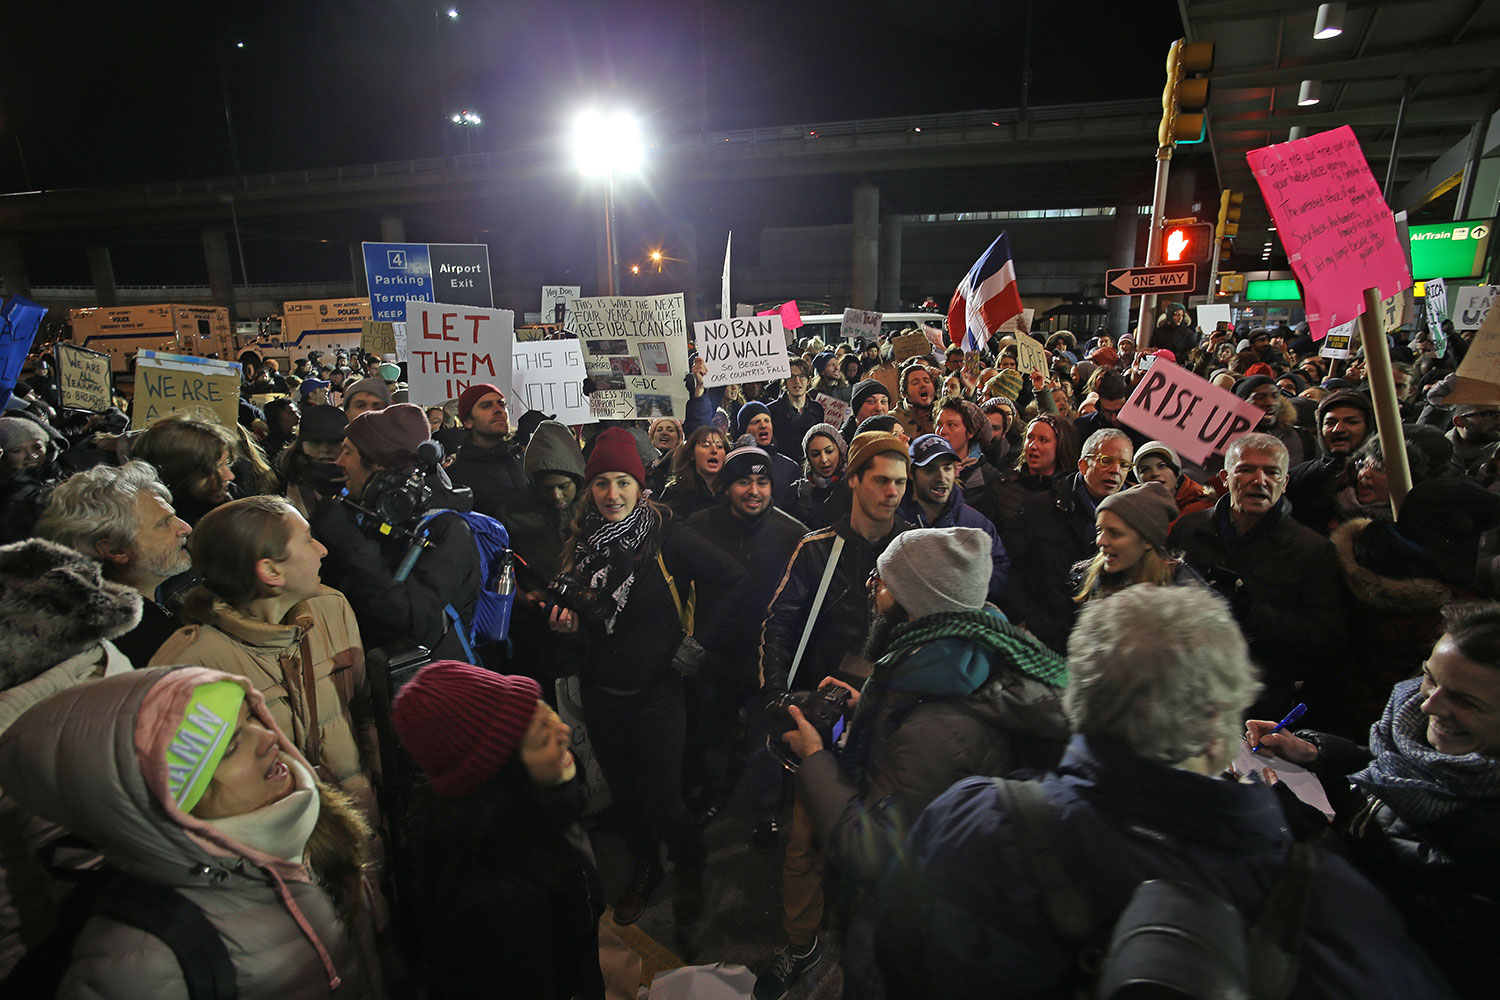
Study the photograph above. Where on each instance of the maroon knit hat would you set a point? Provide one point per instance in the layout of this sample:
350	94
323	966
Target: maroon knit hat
390	437
614	451
472	395
461	723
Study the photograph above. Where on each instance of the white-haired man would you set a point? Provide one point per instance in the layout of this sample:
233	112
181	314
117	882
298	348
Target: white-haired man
1155	715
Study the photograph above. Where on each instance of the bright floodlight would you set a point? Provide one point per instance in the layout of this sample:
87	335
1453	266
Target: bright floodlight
606	143
452	13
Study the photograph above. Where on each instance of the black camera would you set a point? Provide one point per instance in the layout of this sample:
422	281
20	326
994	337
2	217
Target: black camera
825	709
568	593
401	499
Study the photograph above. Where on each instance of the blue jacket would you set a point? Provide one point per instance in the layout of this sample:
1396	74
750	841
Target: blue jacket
960	515
962	917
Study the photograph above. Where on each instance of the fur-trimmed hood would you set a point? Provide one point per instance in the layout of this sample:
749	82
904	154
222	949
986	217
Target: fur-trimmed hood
1384	593
54	604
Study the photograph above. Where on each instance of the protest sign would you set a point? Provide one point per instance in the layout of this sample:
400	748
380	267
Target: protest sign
909	345
635	351
1437	311
378	338
1338	233
19	319
1340	340
742	350
1030	355
555	299
176	383
860	323
1482	360
1210	316
1472	305
835	410
83	379
1189	413
398	330
1396	310
1019	323
549	377
454	347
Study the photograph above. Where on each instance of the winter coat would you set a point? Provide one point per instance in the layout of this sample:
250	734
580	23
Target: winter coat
319	640
93	758
687	497
962	916
537	528
1009	492
790	425
1054	530
814	505
1291	603
762	548
1192	495
59	615
361	564
1393	625
638	652
1310	490
915	420
958	514
494	474
841	625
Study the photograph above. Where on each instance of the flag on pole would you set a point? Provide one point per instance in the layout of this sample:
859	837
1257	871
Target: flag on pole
986	298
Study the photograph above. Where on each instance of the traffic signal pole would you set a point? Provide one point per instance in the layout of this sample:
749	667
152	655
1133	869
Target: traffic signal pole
1147	324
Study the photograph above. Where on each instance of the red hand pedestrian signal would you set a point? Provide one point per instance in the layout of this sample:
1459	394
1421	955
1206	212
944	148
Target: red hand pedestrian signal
1177	242
1188	243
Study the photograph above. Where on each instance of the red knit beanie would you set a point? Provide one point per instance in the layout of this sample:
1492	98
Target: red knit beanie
390	437
614	451
472	395
461	723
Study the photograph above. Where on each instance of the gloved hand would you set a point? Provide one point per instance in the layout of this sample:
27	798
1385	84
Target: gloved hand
689	657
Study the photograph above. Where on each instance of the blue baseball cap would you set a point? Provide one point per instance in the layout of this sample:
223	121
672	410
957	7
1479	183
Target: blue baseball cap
930	447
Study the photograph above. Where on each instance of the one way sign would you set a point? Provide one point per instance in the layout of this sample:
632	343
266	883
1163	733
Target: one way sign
1149	280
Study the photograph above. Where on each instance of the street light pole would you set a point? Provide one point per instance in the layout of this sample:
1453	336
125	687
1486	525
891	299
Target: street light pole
608	145
612	249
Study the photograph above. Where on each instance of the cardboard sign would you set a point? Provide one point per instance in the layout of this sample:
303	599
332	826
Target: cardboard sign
1020	323
1340	341
1472	305
549	377
742	350
909	345
1189	413
835	410
555	299
1030	355
83	381
635	351
454	347
1397	310
861	323
1210	316
1437	311
19	319
378	338
1482	360
175	383
1333	221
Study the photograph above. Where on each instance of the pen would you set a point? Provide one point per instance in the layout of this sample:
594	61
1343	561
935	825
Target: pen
1291	717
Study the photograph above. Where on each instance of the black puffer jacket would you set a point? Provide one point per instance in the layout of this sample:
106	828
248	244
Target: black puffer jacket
494	474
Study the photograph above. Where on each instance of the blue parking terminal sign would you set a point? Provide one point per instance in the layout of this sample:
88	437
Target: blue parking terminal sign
454	273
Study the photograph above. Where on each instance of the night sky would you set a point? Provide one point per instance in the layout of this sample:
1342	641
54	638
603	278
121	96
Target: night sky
117	92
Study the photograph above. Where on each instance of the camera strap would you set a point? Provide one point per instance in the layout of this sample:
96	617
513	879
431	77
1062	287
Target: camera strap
817	606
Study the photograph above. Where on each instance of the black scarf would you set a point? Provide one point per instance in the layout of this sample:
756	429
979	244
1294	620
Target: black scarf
605	558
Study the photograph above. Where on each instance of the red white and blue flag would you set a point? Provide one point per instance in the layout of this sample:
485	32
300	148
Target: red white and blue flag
986	298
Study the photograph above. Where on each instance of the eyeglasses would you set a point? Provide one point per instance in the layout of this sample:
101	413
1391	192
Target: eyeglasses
1110	461
794	375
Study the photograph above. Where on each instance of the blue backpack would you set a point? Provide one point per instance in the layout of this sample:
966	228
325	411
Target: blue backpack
497	586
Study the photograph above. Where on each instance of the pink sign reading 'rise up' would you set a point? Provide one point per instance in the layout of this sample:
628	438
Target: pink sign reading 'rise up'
1334	224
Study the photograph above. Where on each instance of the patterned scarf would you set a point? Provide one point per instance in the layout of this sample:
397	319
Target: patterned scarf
1418	782
605	558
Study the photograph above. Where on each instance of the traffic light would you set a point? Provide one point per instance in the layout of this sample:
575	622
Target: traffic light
1230	203
1185	97
1187	243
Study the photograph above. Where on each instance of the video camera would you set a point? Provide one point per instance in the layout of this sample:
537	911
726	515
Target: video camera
399	499
825	709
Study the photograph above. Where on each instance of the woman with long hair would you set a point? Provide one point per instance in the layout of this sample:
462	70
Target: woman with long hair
1049	449
193	455
1131	531
262	613
695	469
634	570
506	889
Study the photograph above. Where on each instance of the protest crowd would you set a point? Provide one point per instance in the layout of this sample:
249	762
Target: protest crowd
973	660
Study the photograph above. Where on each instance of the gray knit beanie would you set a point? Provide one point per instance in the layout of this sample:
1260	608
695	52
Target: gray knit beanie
931	570
1149	509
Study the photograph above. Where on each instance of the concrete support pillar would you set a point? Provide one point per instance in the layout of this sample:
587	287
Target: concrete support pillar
357	270
220	274
392	229
865	274
1127	233
507	263
102	270
13	268
1486	198
890	263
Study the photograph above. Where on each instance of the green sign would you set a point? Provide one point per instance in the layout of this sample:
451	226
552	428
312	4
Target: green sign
1275	290
1450	249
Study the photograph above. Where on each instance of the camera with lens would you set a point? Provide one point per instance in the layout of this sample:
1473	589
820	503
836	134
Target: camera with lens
825	709
401	498
569	593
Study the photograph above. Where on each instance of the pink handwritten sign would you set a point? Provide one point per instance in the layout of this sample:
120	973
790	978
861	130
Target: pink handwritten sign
1338	232
1187	412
